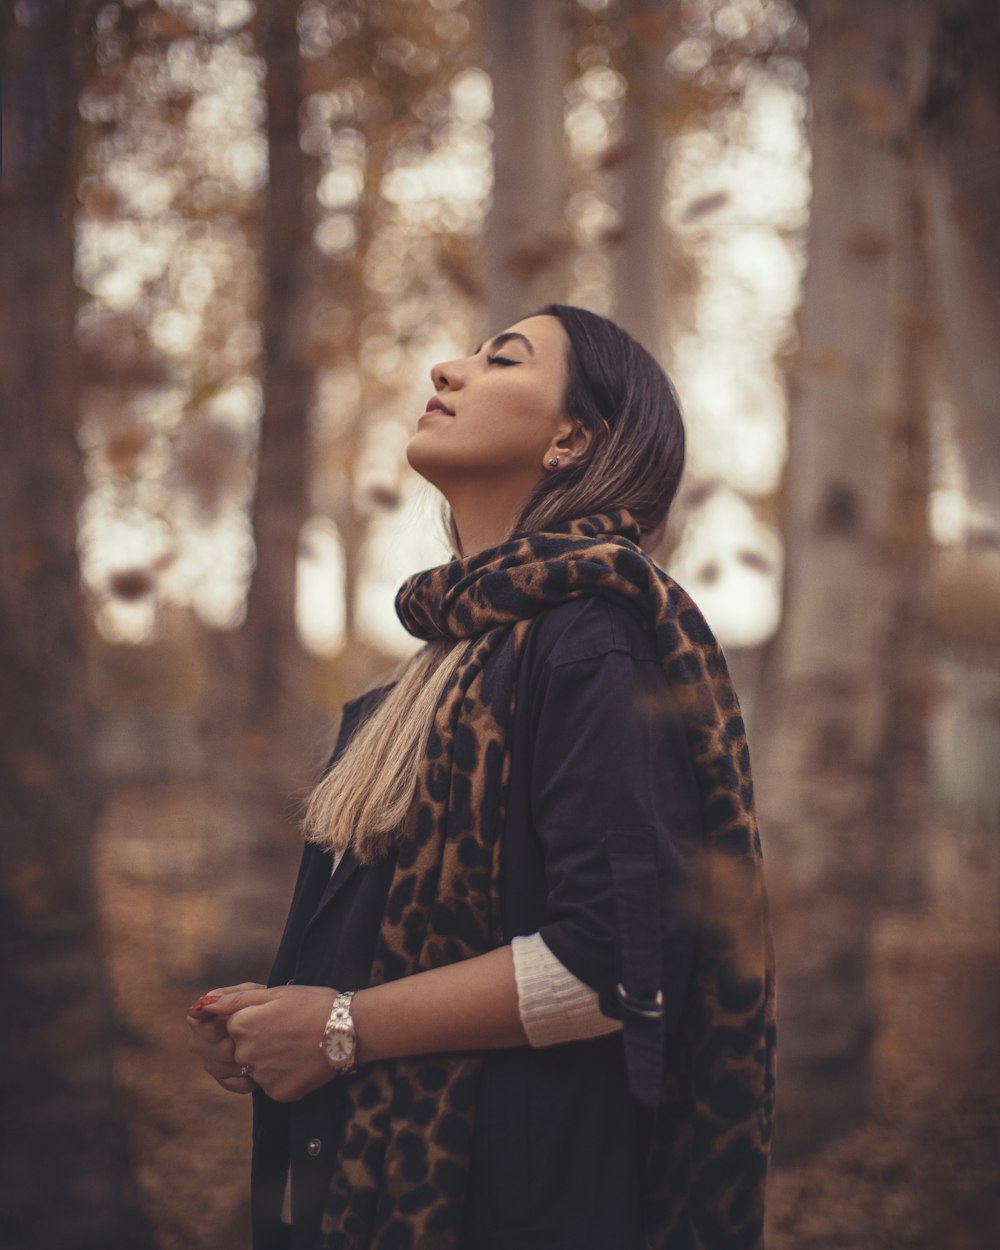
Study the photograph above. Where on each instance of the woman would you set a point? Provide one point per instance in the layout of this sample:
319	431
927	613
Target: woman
534	858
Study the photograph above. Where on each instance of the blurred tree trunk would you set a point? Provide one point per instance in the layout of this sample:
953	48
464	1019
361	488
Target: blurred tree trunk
902	795
281	496
825	736
66	1171
351	516
281	500
526	239
640	275
273	730
960	124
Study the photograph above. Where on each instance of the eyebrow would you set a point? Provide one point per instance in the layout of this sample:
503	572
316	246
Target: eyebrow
507	337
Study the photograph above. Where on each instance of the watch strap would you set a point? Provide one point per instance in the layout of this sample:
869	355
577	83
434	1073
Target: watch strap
340	1028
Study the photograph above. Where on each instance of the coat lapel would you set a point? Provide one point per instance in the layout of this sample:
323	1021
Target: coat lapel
346	869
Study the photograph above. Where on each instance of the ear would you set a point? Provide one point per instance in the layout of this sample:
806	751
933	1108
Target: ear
570	440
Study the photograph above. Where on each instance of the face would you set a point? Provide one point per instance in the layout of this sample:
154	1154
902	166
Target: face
497	415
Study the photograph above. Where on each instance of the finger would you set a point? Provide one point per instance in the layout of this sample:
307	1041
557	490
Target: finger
212	1052
221	1070
199	1006
240	1055
209	1028
217	1064
237	1084
229	1004
242	1024
225	1069
206	1036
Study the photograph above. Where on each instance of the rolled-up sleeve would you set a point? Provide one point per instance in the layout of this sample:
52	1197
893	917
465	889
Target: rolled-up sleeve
615	804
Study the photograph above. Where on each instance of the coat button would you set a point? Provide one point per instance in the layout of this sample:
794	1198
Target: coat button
314	1147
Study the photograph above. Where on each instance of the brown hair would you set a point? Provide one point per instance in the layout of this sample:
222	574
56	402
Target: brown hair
634	460
617	391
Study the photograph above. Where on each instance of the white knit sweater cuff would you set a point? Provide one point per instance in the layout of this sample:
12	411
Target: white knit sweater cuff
555	1006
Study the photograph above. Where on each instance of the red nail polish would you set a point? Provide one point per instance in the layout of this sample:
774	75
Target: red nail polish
203	1002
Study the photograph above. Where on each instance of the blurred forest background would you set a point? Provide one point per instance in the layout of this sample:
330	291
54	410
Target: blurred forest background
233	238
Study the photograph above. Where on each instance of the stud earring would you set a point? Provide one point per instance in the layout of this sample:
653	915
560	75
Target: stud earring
554	462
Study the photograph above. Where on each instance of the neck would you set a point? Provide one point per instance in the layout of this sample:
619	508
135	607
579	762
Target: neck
483	518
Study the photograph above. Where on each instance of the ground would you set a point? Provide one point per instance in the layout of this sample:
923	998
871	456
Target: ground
923	1174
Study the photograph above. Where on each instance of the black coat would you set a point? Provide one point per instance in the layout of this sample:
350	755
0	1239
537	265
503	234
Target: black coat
603	820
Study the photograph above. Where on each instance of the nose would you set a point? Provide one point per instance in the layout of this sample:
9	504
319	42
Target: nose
447	374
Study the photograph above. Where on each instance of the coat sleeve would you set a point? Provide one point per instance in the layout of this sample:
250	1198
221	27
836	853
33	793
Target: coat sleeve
615	804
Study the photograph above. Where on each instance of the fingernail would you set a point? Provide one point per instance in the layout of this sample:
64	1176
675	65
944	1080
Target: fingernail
204	1001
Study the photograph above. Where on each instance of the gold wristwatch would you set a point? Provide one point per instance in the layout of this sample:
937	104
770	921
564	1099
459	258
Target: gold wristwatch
340	1042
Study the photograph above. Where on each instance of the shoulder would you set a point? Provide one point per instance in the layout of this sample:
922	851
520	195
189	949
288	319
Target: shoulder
587	628
594	661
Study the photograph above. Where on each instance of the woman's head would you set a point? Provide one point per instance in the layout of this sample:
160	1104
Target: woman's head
496	415
635	456
569	386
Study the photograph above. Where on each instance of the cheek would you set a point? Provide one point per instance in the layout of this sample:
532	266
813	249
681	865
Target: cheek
527	414
447	447
498	444
504	431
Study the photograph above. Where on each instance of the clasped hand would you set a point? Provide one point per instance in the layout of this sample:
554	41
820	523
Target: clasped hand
272	1035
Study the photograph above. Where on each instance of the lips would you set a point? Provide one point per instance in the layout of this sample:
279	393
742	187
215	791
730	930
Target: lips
435	404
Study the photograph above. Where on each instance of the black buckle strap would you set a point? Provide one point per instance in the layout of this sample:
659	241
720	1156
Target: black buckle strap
649	1008
632	855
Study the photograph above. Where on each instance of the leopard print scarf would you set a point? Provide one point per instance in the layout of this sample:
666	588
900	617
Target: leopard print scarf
404	1158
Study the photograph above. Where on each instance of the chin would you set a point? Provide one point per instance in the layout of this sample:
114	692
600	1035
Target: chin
423	461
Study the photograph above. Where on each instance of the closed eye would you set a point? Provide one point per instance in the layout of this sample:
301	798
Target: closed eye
501	360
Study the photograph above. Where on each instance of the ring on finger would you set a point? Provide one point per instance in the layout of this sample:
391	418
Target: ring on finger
246	1071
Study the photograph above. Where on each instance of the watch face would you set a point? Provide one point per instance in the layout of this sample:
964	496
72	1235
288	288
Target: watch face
339	1049
339	1046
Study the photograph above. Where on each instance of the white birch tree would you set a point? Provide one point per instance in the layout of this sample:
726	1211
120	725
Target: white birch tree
640	257
526	239
826	730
